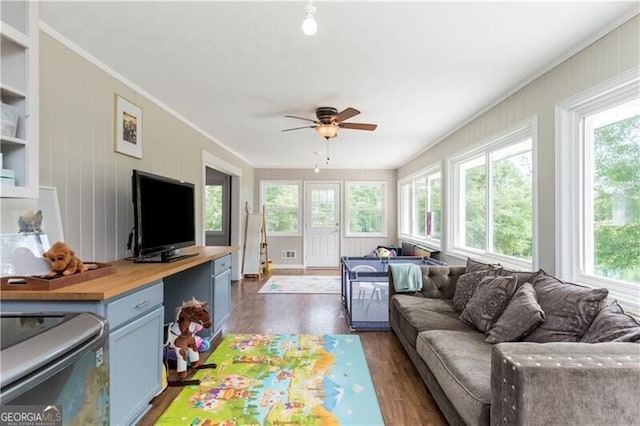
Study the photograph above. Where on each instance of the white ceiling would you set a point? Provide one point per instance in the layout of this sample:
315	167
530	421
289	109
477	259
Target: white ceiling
418	69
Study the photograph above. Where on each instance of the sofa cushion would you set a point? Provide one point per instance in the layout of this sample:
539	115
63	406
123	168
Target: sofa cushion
461	363
521	316
612	325
439	282
467	284
489	302
569	309
415	314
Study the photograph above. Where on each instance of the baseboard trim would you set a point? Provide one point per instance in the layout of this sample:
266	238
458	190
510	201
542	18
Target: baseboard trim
285	266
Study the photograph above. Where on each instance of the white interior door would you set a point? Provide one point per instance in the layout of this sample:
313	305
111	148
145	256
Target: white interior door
322	225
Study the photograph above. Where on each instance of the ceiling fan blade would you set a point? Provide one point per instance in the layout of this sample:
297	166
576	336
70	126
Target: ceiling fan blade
345	115
298	128
302	118
358	126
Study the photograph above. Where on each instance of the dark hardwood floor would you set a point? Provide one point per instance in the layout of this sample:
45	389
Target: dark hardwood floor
402	396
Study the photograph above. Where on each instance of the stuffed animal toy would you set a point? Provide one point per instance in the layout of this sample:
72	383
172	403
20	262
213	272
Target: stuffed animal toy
193	315
383	252
63	260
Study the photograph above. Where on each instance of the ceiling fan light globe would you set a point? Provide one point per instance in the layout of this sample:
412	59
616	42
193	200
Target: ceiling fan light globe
327	131
309	24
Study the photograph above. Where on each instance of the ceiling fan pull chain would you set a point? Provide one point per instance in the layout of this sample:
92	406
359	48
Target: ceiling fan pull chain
327	152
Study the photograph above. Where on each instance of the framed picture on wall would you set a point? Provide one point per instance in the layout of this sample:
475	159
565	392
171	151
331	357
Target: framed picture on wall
128	132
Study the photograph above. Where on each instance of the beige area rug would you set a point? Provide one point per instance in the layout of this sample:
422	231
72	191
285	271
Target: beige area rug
324	284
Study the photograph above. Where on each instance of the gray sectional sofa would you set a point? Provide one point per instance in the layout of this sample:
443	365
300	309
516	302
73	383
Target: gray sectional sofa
561	382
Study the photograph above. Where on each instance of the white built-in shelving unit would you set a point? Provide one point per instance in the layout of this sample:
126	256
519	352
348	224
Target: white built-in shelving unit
19	89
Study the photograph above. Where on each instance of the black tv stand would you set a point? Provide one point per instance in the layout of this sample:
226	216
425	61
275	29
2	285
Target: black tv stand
164	257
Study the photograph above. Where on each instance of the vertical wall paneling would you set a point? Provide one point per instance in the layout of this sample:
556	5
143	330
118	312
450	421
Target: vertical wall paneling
629	46
99	183
609	61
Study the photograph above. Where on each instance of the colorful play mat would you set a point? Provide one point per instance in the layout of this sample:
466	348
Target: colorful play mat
298	379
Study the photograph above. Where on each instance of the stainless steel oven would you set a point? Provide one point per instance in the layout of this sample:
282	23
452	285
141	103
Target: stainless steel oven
55	360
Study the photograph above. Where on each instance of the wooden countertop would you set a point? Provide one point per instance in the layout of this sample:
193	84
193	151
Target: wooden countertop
128	276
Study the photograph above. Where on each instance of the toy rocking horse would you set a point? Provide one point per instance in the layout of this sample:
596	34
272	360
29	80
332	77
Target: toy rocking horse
192	316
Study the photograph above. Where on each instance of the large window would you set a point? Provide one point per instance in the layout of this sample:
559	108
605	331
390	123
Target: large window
492	198
598	191
421	207
282	201
612	192
365	209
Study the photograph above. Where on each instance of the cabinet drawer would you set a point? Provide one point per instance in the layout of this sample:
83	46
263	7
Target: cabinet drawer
222	264
133	305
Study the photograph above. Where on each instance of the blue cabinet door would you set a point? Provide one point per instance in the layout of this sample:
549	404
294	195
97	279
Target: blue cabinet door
221	299
136	362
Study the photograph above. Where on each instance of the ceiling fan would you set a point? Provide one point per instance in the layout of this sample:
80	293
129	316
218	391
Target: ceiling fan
329	121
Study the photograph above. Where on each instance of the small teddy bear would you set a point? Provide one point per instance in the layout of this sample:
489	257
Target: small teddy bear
63	260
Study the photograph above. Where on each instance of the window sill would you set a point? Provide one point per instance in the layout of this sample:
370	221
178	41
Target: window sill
347	235
427	243
504	261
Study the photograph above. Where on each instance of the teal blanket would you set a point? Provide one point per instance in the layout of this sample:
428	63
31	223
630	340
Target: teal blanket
406	277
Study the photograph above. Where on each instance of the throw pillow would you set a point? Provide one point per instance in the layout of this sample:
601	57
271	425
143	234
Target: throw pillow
522	314
489	302
569	309
475	266
466	286
523	276
612	325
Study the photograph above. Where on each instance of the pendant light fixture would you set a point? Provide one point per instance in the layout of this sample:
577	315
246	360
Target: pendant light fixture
316	168
309	24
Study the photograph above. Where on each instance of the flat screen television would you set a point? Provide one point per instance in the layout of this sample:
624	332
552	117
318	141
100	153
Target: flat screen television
163	216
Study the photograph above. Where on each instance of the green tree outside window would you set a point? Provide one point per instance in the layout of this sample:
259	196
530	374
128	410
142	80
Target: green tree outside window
616	200
512	201
475	207
502	180
366	208
213	208
281	207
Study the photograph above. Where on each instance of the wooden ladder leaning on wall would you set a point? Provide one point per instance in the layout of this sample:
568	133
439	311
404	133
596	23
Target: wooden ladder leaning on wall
254	252
264	250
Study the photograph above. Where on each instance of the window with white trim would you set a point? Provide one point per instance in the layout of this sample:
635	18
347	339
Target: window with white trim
598	204
282	201
612	192
366	209
492	198
421	207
